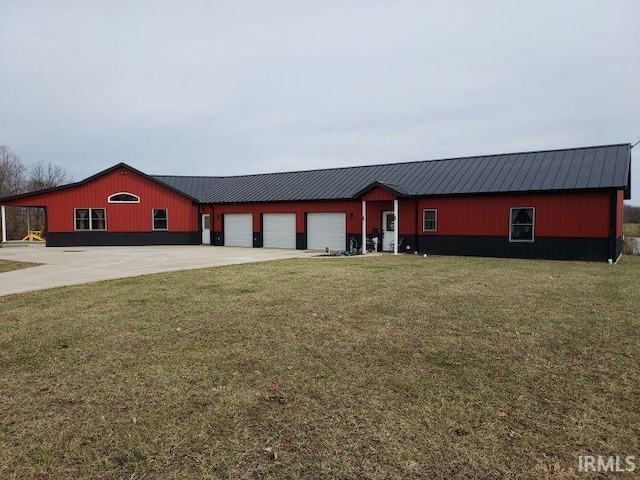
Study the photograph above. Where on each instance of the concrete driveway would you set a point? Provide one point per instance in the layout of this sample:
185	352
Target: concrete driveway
76	265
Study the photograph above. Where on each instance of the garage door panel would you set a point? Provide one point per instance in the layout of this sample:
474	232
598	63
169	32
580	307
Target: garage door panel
279	230
326	230
238	230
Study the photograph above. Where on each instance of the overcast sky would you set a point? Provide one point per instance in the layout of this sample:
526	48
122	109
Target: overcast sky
233	87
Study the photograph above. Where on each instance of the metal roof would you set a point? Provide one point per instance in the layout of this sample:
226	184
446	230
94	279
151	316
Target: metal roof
588	168
196	187
599	167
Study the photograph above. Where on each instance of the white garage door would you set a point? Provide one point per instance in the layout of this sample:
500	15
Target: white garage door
238	230
326	230
279	230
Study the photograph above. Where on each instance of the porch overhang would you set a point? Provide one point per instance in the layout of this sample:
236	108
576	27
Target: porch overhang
381	191
396	191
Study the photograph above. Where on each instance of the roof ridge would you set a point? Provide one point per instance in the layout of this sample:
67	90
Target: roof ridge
186	176
448	159
507	167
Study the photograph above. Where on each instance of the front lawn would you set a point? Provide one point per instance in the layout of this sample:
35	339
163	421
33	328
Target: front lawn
378	367
8	265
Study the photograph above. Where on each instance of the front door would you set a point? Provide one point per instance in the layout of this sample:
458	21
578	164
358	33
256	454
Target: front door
206	229
388	226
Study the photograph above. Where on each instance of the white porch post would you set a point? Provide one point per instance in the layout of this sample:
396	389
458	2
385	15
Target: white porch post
364	227
396	226
3	214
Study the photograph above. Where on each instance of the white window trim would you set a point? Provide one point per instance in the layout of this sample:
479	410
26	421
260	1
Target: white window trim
153	218
120	201
75	219
425	210
533	225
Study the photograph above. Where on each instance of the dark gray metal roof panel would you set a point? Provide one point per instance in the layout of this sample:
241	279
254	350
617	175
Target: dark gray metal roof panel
621	168
468	175
519	177
609	168
516	172
438	174
479	166
426	177
500	174
586	162
450	180
486	177
562	171
531	166
404	176
195	187
599	167
552	171
414	177
572	175
543	167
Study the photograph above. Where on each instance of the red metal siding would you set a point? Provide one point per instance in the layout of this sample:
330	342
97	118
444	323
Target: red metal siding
410	224
584	215
378	194
374	215
620	214
128	217
352	209
407	214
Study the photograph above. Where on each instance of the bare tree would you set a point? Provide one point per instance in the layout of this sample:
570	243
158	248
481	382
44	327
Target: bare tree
12	173
631	214
15	179
46	175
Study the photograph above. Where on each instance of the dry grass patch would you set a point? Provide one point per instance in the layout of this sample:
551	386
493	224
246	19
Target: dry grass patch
632	229
8	265
385	367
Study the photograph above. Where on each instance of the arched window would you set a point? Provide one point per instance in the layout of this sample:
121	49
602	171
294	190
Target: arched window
124	197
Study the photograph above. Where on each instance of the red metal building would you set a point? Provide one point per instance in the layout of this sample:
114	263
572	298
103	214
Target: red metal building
559	204
119	206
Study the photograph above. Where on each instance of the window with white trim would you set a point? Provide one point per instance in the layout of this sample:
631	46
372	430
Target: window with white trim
522	222
430	220
124	197
160	219
90	219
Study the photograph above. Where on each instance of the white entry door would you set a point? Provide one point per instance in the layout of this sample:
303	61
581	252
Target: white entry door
279	230
238	230
326	230
388	227
206	229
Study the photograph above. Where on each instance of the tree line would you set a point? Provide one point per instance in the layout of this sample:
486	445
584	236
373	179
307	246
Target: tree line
631	214
16	178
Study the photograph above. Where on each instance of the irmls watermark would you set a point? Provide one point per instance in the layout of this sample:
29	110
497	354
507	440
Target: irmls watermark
612	463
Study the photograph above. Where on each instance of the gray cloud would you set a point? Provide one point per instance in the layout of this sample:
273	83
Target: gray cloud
200	87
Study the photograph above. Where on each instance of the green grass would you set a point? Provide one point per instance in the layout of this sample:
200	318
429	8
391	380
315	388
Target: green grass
378	367
632	229
8	266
